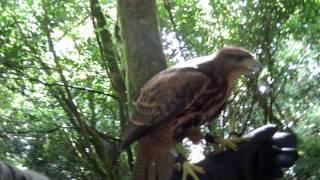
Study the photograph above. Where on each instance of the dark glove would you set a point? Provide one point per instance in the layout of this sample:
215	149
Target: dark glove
9	172
261	158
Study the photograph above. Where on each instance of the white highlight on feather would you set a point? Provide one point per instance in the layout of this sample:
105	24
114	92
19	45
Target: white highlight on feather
194	62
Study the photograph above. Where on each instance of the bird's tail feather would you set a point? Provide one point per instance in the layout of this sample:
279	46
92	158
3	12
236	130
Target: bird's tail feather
153	162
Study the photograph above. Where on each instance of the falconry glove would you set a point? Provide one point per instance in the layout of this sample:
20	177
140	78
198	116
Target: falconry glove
261	158
9	172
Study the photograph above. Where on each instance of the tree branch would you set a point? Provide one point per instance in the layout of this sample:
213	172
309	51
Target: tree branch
168	8
47	131
61	85
69	29
107	136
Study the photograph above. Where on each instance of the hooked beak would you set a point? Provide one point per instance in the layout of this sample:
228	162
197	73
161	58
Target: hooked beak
253	66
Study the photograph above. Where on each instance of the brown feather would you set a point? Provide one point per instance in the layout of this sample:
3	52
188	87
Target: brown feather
174	103
154	160
162	99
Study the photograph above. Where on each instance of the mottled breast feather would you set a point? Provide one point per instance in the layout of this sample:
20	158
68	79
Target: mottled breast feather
162	98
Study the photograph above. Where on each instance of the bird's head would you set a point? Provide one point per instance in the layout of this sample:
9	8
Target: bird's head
237	61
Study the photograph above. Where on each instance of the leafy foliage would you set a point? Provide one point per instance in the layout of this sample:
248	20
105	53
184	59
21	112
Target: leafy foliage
63	96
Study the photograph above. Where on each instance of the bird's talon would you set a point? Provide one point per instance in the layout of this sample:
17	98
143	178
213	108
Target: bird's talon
237	140
231	143
190	169
197	169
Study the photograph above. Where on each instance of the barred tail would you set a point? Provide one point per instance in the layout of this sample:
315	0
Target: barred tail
153	162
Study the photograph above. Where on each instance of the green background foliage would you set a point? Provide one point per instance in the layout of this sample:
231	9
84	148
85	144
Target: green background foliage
62	77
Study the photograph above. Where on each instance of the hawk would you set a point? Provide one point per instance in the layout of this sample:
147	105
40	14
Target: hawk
176	102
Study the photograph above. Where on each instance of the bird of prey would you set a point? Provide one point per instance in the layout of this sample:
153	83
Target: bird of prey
176	102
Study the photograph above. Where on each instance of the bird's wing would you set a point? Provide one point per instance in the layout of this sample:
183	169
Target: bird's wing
162	98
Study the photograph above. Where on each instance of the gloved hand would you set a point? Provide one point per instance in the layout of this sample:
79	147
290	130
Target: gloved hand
261	158
9	172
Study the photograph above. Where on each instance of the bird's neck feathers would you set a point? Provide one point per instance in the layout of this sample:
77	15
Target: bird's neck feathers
229	74
232	78
195	62
212	67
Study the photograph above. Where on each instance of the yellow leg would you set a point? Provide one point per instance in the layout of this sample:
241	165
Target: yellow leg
191	169
238	140
187	167
230	143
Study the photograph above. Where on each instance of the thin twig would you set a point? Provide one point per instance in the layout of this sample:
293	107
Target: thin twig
69	30
60	84
32	131
168	8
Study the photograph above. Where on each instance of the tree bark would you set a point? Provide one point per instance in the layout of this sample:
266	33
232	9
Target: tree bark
110	58
109	53
142	46
142	43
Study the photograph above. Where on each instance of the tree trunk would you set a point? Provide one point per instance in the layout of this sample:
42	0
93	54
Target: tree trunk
142	42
